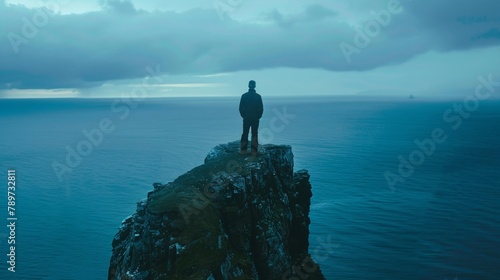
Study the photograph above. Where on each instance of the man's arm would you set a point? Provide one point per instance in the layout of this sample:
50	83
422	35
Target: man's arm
242	107
260	107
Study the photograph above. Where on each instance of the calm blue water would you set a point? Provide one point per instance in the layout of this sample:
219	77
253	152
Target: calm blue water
442	222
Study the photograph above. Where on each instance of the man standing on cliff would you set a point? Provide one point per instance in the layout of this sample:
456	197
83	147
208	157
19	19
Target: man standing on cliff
251	110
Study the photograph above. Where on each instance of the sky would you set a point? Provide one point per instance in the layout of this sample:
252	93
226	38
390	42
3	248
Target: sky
153	48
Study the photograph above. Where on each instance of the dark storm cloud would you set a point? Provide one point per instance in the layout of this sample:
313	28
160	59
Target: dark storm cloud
453	24
119	42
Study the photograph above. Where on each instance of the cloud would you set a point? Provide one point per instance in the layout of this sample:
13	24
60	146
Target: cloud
493	33
119	42
119	6
443	21
313	13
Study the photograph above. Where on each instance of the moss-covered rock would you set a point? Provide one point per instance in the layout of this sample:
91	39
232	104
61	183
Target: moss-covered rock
234	217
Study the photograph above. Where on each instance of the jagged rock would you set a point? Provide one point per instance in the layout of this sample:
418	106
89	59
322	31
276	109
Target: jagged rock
234	217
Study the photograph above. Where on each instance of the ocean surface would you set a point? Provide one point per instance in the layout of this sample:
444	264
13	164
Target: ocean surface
442	221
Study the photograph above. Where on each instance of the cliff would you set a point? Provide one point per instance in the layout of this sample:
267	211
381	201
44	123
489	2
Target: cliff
234	217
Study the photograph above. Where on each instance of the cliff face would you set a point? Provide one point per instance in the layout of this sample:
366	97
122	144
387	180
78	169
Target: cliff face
234	217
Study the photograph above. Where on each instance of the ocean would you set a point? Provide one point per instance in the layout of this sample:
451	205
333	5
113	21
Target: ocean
402	189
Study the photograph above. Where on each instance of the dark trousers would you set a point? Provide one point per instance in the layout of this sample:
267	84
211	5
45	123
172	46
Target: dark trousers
247	124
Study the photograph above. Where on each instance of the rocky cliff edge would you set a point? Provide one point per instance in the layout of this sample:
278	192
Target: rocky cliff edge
234	217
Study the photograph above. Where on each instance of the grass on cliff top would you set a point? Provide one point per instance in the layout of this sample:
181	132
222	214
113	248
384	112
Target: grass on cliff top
181	192
201	234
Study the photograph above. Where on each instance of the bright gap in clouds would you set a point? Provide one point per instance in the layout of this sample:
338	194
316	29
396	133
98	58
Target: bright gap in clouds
40	93
61	6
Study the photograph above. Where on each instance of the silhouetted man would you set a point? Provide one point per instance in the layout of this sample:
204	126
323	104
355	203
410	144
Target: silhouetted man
251	110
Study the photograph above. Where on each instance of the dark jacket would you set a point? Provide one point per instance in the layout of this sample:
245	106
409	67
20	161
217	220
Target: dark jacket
251	107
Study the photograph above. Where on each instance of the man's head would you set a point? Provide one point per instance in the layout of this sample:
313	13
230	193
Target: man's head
251	84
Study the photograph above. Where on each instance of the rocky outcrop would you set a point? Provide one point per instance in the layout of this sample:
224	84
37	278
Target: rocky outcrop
234	217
